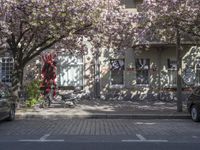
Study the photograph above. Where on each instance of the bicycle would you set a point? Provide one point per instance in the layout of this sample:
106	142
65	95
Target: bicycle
70	99
46	102
65	98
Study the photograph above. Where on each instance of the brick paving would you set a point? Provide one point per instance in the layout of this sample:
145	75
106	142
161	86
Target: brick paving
100	127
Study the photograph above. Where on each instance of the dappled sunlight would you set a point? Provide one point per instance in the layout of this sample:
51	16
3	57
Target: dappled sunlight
104	108
89	108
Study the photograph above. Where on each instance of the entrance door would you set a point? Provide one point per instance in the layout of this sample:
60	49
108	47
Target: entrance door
70	71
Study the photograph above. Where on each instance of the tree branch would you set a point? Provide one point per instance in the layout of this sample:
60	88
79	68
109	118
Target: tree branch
22	34
35	46
189	32
28	42
30	57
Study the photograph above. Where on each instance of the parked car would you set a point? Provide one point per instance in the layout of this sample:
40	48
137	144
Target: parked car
193	105
7	103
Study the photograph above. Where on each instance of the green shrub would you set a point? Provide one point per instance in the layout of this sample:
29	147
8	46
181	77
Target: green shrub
31	102
34	93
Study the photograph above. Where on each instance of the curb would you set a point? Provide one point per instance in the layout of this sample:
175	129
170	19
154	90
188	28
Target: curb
102	116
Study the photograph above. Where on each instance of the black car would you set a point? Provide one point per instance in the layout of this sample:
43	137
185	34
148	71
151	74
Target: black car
7	103
193	105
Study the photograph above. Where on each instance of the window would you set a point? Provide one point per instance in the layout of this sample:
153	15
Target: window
71	71
117	71
172	67
6	69
142	71
197	72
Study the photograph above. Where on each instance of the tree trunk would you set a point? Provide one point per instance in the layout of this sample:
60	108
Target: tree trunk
21	76
179	66
17	82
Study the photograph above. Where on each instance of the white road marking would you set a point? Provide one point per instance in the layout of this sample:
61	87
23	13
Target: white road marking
194	137
141	137
42	139
145	123
146	141
30	140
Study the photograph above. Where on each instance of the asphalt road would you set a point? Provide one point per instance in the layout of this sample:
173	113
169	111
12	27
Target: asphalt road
100	134
99	146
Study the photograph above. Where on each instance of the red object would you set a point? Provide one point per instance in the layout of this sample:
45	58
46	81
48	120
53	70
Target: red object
49	73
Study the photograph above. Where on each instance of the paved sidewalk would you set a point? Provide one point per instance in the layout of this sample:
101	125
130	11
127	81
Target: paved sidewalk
108	109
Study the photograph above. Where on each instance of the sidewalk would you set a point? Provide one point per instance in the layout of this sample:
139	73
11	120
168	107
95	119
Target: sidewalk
107	110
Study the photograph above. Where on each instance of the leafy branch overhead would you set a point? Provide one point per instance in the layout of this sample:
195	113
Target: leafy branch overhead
29	27
158	20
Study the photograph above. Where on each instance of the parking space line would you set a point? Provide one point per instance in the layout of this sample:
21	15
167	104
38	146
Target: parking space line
30	140
42	139
141	137
146	141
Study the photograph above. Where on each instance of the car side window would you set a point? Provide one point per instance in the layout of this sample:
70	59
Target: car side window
197	91
2	94
8	93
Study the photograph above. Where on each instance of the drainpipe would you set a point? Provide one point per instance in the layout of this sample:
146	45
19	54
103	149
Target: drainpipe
159	73
97	76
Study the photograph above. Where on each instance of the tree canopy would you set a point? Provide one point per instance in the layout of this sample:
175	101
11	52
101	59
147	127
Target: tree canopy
29	27
160	19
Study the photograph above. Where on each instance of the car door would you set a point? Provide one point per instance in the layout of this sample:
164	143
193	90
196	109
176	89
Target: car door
9	100
196	97
3	104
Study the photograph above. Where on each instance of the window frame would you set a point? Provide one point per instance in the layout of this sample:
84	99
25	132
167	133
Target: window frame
136	78
7	71
60	57
171	68
110	75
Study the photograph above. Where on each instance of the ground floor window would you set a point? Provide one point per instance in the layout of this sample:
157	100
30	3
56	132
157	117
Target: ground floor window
70	70
172	67
117	71
142	71
6	69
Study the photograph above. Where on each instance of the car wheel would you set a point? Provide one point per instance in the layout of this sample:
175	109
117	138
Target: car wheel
11	113
195	113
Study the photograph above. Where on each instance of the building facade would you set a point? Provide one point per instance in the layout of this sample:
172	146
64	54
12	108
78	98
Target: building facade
132	74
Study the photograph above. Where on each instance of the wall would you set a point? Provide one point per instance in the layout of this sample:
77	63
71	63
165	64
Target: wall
158	87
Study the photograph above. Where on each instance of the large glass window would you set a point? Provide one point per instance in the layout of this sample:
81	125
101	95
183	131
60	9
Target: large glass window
70	70
172	67
117	71
142	71
6	69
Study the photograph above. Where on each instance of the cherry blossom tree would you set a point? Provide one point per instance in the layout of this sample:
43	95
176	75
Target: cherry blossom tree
34	26
169	21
